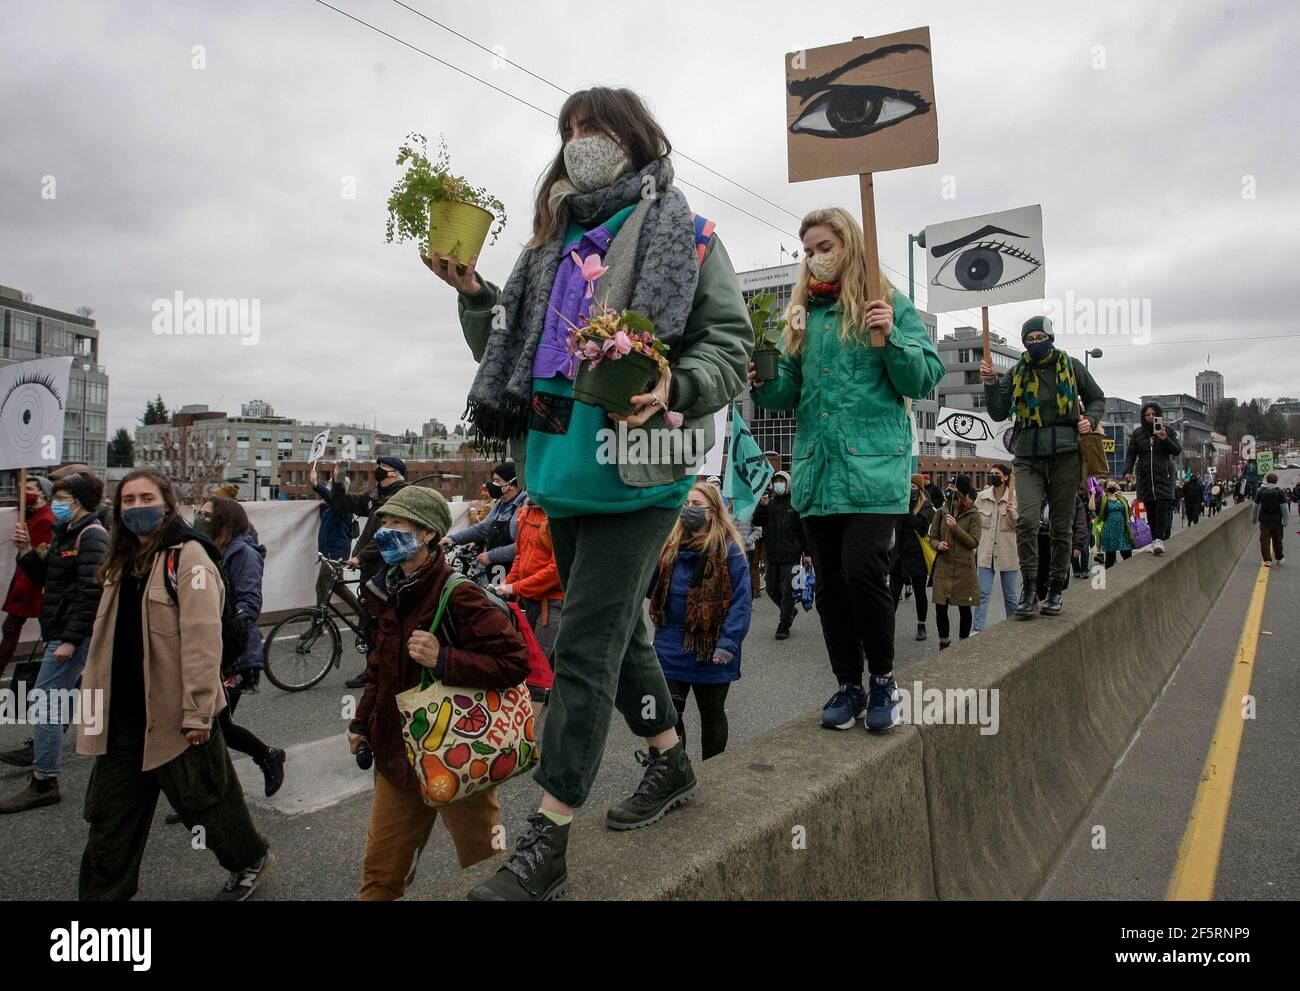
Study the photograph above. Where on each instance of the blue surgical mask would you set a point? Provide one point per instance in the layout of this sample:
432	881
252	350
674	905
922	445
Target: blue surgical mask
779	488
142	520
62	511
396	546
1039	349
694	517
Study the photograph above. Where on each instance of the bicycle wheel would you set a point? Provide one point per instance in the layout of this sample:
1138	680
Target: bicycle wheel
301	649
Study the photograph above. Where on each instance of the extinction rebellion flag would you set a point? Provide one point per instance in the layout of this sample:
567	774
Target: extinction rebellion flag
748	470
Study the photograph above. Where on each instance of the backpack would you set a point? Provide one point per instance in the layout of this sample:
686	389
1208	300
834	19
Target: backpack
456	578
234	630
1270	499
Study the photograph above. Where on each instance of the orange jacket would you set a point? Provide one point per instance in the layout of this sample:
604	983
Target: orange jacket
533	574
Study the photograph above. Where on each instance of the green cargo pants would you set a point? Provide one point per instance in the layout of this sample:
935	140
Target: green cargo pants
604	657
1054	479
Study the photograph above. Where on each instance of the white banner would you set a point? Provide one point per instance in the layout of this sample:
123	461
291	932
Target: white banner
970	426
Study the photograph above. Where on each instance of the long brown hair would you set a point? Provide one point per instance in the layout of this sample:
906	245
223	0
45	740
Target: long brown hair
126	551
713	540
622	115
228	521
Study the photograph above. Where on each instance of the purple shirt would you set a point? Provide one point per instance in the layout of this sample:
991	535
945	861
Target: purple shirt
569	297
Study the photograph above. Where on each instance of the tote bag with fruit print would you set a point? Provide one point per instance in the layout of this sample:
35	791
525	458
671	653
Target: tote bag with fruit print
463	741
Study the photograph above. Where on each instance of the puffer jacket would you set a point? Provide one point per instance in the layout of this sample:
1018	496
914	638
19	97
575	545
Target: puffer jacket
956	581
67	573
1150	459
533	574
25	596
852	450
243	563
998	530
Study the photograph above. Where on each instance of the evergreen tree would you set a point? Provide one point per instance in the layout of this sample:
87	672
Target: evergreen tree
121	450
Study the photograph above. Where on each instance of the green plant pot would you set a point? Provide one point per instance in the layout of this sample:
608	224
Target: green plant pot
767	362
458	230
611	384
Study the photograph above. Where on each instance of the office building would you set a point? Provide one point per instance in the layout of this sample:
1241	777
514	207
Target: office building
29	331
1209	390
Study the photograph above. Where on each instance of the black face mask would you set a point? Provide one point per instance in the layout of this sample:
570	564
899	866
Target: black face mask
996	479
494	490
380	475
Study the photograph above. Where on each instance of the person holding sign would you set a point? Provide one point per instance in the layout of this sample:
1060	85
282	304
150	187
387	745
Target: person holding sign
851	458
1042	392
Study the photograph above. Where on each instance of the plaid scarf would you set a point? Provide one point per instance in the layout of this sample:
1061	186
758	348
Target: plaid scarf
1026	403
706	602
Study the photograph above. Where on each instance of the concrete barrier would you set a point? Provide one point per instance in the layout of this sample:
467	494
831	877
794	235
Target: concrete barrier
933	810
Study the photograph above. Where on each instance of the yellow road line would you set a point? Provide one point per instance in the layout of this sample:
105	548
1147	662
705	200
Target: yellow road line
1198	854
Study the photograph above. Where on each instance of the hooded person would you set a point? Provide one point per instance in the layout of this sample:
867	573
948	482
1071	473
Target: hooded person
785	546
1150	456
1053	399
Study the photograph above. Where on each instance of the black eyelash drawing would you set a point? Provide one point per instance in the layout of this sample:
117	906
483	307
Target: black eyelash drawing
849	111
35	378
30	414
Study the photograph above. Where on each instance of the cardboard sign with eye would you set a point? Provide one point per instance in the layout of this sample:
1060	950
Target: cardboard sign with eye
33	397
318	445
969	426
987	260
865	105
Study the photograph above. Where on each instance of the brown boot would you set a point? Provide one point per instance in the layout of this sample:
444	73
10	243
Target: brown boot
36	794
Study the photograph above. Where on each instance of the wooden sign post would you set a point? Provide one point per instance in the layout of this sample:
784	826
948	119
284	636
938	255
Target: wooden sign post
22	496
984	319
874	288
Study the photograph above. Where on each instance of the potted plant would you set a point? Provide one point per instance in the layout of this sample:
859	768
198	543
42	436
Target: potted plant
440	210
767	332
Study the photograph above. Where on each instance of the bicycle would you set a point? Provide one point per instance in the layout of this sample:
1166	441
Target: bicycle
464	558
302	647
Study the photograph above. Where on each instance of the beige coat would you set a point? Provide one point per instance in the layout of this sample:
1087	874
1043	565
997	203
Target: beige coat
998	542
182	656
954	577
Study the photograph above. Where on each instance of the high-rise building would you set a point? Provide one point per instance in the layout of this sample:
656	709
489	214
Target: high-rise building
256	407
1209	390
28	332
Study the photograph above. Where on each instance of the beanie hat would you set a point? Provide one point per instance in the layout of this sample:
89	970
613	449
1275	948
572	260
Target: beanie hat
74	467
963	485
423	507
918	481
86	489
227	490
1038	323
397	464
506	471
44	484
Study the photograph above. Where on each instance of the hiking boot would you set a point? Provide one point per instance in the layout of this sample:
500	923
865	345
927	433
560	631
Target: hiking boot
844	707
1028	605
37	793
882	704
24	756
920	631
536	871
241	884
668	782
358	682
272	766
1052	605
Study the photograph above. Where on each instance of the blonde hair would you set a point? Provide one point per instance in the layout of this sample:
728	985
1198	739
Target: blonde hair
713	540
853	281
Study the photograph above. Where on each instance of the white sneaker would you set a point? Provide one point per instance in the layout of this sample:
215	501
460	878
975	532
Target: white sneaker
1157	547
1268	564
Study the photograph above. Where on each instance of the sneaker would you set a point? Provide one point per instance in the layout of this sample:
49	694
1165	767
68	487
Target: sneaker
536	871
24	756
1028	605
1279	562
37	793
273	770
945	644
241	884
782	633
668	782
1267	564
844	707
1157	547
882	706
1052	605
920	631
358	682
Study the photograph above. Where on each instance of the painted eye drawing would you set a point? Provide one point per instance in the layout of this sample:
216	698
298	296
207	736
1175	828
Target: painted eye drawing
852	111
966	427
982	261
31	410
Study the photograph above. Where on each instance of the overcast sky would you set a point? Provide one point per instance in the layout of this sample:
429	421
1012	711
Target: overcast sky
227	180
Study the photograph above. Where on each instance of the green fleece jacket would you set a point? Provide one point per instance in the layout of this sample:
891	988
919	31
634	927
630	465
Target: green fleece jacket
708	364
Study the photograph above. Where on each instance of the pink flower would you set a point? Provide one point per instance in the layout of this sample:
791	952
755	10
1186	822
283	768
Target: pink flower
673	419
591	351
622	343
591	270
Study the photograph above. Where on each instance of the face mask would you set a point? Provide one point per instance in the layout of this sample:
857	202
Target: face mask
694	517
494	490
826	266
996	480
779	488
915	492
1039	349
380	475
594	162
201	525
62	511
143	519
396	546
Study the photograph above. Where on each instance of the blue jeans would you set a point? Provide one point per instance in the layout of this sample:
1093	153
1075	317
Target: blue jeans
1010	593
47	733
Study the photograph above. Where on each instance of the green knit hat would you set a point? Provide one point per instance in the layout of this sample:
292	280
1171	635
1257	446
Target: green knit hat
423	507
1038	323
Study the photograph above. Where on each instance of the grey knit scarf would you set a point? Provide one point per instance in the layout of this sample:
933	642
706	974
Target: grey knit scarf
651	266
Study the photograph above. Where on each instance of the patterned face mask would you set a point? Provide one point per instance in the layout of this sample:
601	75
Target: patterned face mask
396	546
594	162
826	266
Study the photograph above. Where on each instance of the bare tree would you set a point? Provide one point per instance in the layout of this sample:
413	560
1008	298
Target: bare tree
192	462
85	312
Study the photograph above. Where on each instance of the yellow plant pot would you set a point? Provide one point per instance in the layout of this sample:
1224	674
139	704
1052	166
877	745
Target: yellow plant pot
458	229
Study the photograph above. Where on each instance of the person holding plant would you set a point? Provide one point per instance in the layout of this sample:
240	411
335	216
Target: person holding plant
609	228
1114	525
474	646
848	364
700	602
155	660
955	535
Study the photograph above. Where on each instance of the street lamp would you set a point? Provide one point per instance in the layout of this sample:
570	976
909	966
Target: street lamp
912	239
1094	353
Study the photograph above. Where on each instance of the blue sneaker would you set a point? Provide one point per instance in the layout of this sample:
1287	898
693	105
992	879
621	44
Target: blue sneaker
882	706
844	708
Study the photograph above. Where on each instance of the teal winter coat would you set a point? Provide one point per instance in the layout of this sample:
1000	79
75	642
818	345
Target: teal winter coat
852	448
